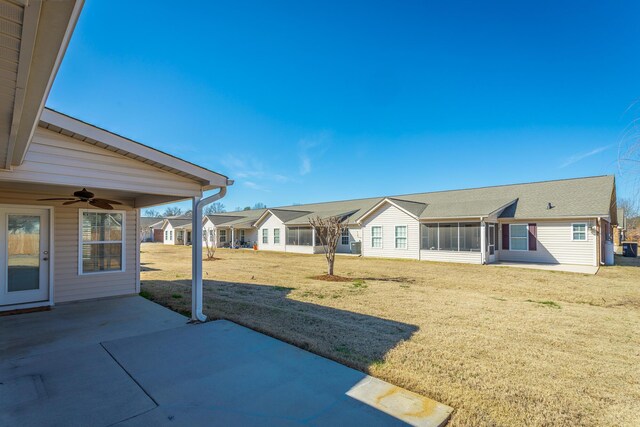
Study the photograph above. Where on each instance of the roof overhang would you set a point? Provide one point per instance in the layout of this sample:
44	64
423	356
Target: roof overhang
262	217
74	128
37	33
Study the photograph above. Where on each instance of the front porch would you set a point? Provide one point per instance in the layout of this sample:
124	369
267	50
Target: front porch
127	361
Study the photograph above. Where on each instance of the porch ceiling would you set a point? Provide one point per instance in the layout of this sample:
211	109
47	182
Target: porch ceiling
32	192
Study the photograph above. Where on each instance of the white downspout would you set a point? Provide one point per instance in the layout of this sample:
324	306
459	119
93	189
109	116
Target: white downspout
196	253
483	241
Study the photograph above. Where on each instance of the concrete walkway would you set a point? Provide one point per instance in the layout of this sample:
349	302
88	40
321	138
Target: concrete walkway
568	268
135	363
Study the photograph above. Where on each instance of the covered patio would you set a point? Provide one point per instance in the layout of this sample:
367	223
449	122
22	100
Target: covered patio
127	361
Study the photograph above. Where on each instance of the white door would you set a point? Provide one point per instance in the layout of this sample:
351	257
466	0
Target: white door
491	248
24	255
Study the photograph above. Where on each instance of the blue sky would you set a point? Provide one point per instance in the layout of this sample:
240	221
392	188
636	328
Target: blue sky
311	101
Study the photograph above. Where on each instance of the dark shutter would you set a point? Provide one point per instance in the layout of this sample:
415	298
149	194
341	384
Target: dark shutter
533	237
505	237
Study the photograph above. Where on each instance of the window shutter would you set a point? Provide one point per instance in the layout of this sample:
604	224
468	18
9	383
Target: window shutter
533	237
505	237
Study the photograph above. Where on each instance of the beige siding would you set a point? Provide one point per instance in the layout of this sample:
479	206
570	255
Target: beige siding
388	217
555	245
271	223
58	159
68	284
355	235
451	256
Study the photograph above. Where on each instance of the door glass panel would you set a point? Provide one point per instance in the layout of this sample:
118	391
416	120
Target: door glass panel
23	250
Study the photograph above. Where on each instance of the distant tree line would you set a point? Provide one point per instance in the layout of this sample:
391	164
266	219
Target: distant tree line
213	208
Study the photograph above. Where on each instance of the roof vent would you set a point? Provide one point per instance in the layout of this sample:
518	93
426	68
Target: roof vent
550	206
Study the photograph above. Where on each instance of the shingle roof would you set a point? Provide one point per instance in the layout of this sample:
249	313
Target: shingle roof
578	197
148	221
178	222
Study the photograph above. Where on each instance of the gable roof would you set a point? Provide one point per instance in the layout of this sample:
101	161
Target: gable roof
176	222
82	131
577	197
148	221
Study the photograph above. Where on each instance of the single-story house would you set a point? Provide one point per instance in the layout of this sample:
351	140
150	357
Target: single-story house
71	192
151	229
566	221
177	230
234	229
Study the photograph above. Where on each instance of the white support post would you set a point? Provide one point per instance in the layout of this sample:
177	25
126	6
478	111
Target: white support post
233	238
196	262
313	238
483	241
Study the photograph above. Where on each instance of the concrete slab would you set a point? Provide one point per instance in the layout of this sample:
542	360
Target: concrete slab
220	369
71	387
568	268
82	323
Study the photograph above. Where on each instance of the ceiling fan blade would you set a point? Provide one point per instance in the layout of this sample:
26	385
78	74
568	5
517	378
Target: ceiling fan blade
70	203
100	204
57	198
113	202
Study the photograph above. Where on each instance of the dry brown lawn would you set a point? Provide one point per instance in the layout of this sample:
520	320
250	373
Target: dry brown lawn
502	346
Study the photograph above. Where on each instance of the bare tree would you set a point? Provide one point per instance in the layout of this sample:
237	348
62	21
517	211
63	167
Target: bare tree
211	246
216	207
259	205
172	211
152	213
328	231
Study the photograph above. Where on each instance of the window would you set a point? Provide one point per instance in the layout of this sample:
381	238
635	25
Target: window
170	234
448	237
166	235
300	236
451	237
401	237
430	237
344	237
101	241
376	237
276	236
265	235
579	231
519	237
211	236
223	236
242	241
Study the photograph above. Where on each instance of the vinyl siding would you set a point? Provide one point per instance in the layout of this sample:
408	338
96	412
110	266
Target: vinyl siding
555	245
355	235
299	249
68	284
172	239
270	224
451	256
53	158
388	216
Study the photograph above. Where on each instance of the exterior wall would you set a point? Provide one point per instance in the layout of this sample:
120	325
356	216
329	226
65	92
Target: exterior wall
68	284
299	249
207	227
451	256
355	235
555	244
58	159
270	224
171	239
388	216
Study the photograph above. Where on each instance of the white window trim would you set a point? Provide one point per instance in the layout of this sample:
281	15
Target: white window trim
586	229
223	239
265	235
342	236
381	237
511	237
123	241
274	236
406	237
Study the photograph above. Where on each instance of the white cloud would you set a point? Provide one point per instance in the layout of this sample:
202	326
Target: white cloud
305	164
581	156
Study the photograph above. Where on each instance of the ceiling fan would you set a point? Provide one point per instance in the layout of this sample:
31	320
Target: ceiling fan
86	196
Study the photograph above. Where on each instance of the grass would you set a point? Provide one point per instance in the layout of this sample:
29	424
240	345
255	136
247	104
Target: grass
502	346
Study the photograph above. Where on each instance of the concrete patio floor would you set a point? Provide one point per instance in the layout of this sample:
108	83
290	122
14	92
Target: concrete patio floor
568	268
129	362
